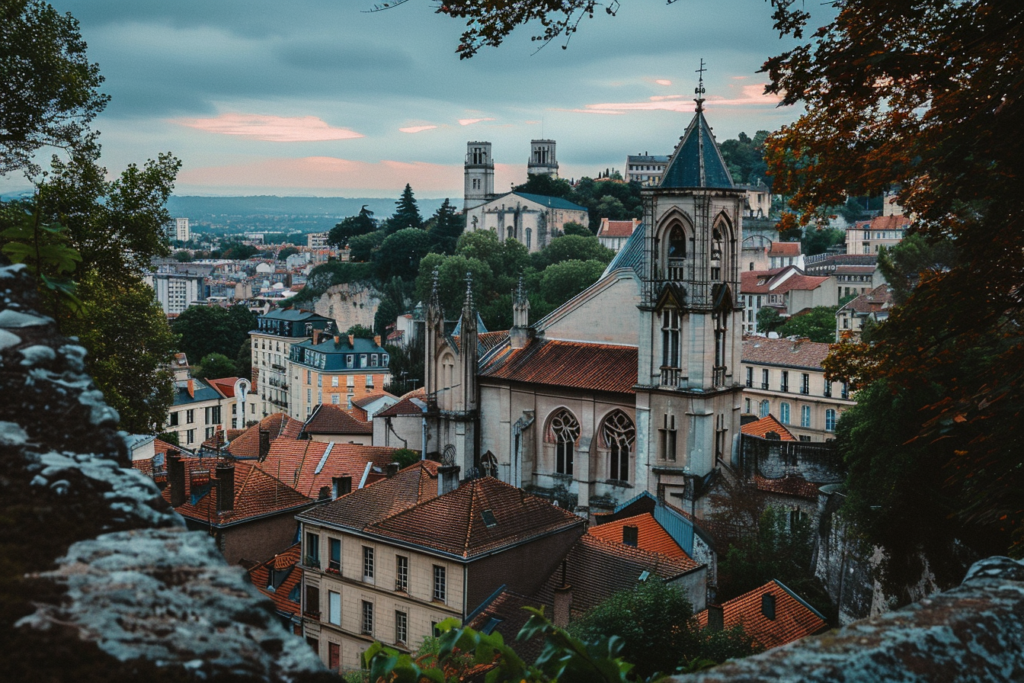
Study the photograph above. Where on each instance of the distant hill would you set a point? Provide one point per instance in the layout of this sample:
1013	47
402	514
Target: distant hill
270	213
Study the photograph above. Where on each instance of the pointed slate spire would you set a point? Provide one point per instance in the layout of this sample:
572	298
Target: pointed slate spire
697	161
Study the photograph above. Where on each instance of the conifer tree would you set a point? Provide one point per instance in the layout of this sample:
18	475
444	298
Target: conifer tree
407	214
448	225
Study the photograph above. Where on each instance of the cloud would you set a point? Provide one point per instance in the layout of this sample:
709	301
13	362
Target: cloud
469	122
271	128
750	95
663	81
416	129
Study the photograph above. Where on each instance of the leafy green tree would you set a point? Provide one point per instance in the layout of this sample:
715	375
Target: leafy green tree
182	256
405	457
562	281
44	250
406	366
853	210
286	252
768	320
546	185
572	247
360	332
49	91
204	330
576	229
745	158
243	361
818	324
818	240
447	226
407	213
215	366
362	247
452	280
612	209
353	226
237	251
400	253
903	264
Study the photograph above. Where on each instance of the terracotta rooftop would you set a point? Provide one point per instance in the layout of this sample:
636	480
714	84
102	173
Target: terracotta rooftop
616	228
308	466
331	419
767	424
875	301
790	485
468	529
579	365
784	249
407	406
883	223
651	536
280	579
256	493
778	281
485	341
413	485
247	444
794	618
597	569
225	386
803	354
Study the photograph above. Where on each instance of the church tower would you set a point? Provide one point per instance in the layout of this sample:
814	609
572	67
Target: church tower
479	175
689	393
542	158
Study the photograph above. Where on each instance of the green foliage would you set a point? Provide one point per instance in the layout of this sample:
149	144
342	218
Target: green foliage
169	437
745	158
407	213
446	226
562	281
572	247
360	332
325	276
243	361
818	240
604	199
204	330
215	366
182	256
400	253
236	251
361	247
392	305
547	186
903	264
43	248
286	252
405	457
818	324
768	320
406	365
853	210
452	280
353	226
576	229
48	89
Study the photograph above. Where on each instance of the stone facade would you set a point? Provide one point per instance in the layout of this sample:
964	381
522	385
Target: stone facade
349	304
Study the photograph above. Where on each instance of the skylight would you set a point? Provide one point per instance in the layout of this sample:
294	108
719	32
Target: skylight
488	517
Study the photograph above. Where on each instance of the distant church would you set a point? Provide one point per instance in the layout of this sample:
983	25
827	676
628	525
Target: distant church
632	385
531	219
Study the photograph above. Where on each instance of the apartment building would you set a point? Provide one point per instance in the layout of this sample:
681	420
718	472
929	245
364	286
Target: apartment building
866	237
272	340
390	561
198	411
335	369
873	305
645	169
787	289
784	378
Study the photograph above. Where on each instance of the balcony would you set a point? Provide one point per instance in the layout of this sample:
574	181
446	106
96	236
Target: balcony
279	368
805	390
764	385
784	388
750	383
670	377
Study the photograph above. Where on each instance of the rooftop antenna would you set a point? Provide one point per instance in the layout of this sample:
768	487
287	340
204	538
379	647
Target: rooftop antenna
699	90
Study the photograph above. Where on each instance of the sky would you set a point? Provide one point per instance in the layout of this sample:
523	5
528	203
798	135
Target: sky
322	98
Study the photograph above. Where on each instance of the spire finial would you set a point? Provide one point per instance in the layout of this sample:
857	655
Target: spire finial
435	296
520	291
699	90
469	291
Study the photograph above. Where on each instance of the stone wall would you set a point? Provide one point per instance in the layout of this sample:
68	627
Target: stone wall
353	303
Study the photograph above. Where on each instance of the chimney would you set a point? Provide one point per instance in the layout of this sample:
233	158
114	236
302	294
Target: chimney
716	618
225	487
563	606
337	340
376	340
392	469
447	479
352	340
316	337
264	443
325	493
768	606
191	388
176	478
630	535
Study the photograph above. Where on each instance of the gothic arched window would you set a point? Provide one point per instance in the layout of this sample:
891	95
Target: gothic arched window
564	432
618	433
716	254
529	235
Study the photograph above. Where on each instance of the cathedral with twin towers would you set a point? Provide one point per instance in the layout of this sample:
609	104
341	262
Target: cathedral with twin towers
631	387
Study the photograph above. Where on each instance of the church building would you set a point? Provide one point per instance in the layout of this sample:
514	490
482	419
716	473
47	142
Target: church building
631	386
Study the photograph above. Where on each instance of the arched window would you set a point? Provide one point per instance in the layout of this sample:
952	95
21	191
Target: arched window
564	432
830	420
508	233
676	253
805	416
784	413
618	433
529	235
764	409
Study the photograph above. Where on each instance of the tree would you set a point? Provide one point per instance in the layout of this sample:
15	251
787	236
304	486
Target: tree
576	229
407	213
562	281
210	329
745	158
243	361
768	320
215	366
49	92
546	186
400	253
182	256
573	247
360	332
446	229
286	252
405	362
405	457
818	240
361	247
817	324
353	226
903	264
452	272
237	251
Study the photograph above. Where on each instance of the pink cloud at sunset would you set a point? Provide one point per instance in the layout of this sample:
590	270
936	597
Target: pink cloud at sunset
334	174
416	129
270	128
750	95
469	122
663	81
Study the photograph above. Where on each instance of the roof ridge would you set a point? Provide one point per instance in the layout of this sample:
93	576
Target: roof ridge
472	512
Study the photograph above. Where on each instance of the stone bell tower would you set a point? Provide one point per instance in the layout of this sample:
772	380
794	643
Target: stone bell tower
542	158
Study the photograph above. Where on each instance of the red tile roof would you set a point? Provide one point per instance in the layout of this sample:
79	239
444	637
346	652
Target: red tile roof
407	406
790	485
517	516
777	282
162	446
651	536
285	562
331	419
225	386
415	393
247	444
301	464
597	367
883	223
785	352
784	249
256	493
793	618
875	301
413	485
616	228
767	424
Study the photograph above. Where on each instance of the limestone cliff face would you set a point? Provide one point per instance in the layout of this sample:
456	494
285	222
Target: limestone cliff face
99	579
349	304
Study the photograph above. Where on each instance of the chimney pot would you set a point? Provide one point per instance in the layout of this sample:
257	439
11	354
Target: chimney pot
352	340
337	339
225	487
716	618
392	469
316	337
325	493
176	477
376	339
